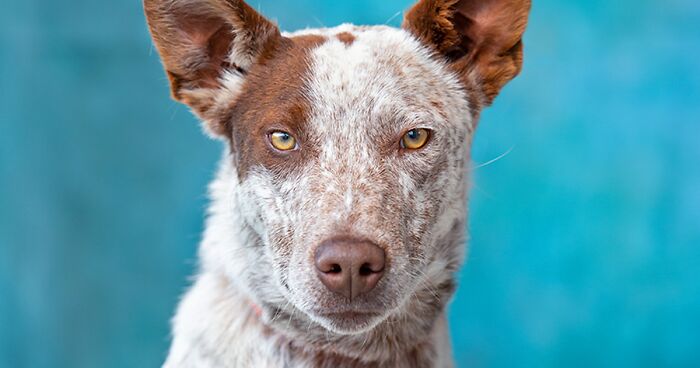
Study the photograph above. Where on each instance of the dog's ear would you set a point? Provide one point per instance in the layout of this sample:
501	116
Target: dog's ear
482	36
207	47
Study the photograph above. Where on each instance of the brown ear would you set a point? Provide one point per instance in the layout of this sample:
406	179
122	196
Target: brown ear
207	47
482	36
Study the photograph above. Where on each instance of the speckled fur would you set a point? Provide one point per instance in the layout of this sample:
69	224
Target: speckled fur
359	90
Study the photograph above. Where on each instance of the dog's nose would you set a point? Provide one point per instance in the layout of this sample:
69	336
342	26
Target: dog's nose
349	267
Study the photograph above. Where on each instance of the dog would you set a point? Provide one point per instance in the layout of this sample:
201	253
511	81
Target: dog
338	213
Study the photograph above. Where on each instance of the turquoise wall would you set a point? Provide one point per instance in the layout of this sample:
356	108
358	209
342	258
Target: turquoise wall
585	238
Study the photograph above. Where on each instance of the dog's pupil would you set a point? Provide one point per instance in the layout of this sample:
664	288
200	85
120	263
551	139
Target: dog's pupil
413	134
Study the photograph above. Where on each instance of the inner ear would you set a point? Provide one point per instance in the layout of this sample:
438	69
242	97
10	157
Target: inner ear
481	39
210	40
206	47
465	43
456	28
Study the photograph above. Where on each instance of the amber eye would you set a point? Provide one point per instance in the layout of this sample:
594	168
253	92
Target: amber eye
415	139
283	141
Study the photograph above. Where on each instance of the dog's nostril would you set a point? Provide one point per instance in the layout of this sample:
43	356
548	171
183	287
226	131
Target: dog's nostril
335	268
365	269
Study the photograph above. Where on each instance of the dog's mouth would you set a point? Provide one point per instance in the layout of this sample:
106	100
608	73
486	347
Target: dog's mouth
350	321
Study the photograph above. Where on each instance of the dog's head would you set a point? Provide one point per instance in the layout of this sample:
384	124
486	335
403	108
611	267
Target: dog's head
344	193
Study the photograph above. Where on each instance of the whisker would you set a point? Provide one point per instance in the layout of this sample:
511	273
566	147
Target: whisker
425	284
487	163
319	22
392	17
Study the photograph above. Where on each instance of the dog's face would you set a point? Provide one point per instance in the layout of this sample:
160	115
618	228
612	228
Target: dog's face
349	146
365	142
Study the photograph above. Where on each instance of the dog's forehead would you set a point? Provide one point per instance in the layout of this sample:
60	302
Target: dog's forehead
352	87
370	74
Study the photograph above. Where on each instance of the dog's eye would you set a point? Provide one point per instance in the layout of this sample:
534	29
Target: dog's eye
415	139
283	141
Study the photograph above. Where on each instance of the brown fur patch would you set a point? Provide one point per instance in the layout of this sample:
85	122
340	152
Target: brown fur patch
474	35
431	22
273	98
195	38
346	37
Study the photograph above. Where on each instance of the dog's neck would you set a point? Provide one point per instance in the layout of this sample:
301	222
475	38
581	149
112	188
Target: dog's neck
414	334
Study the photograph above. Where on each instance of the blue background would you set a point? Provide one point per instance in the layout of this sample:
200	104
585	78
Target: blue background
585	238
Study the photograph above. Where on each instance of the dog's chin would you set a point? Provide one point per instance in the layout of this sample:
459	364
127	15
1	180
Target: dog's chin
348	323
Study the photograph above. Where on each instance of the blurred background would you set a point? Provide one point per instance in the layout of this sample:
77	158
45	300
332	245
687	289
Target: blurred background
585	236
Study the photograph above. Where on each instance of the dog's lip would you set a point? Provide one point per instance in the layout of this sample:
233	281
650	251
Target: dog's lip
349	321
348	314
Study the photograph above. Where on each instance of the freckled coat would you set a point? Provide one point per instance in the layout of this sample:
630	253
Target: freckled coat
347	95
